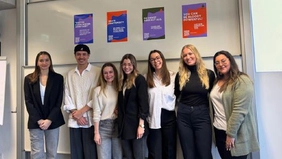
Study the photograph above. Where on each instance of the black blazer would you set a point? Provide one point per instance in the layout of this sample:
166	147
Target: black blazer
52	101
131	107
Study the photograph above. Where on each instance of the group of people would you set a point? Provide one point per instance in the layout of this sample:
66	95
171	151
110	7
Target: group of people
128	115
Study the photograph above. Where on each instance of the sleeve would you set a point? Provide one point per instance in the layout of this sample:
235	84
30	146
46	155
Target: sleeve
177	86
211	79
57	109
142	97
242	101
32	112
68	104
96	105
90	102
168	97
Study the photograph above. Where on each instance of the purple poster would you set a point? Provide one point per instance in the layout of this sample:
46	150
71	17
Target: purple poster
83	29
153	23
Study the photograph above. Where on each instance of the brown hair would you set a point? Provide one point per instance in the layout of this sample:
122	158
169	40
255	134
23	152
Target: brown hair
165	75
35	74
234	72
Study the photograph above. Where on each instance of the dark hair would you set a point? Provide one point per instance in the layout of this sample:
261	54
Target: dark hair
102	82
35	74
234	72
165	75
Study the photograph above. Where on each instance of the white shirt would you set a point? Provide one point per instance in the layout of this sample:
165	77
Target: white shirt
42	92
78	93
104	103
160	96
219	114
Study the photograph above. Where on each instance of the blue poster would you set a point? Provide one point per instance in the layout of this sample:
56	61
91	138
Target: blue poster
117	26
83	29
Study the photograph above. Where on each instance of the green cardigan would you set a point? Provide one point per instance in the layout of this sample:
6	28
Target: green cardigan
238	102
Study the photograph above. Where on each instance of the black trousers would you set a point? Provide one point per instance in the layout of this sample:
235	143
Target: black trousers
220	136
134	148
194	129
162	142
82	143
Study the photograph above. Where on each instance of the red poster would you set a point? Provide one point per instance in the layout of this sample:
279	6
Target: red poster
194	20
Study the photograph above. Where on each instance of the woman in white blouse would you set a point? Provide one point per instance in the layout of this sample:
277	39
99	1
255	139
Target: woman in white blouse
105	114
162	118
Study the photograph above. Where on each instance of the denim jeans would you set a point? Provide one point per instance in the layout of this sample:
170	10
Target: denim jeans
110	147
37	143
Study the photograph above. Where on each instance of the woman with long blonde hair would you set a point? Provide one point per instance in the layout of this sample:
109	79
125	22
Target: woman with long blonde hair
193	83
105	114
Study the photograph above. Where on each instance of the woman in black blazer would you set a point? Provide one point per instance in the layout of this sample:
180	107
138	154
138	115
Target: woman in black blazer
133	109
43	91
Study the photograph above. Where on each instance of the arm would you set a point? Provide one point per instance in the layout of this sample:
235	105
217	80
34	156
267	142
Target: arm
142	97
69	106
211	79
32	112
96	115
168	96
77	114
242	101
142	93
177	86
97	137
59	98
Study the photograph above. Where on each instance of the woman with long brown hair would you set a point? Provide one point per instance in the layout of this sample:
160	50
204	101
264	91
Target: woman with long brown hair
43	90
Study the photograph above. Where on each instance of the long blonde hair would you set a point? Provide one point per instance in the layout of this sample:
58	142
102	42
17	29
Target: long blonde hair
184	72
128	80
103	83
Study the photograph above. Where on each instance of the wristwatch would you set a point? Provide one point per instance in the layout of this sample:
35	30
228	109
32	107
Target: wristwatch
142	125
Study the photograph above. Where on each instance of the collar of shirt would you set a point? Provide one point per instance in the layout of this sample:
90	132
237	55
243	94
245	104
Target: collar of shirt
88	68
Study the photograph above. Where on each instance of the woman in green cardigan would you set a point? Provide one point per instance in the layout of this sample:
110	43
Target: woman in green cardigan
234	112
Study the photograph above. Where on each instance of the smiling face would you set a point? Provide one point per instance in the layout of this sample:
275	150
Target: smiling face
188	57
127	66
108	74
222	64
81	57
156	61
43	62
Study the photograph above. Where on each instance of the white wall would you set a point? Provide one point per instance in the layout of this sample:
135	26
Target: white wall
268	95
8	40
267	37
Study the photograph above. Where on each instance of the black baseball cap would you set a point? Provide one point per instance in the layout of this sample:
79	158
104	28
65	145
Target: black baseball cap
81	47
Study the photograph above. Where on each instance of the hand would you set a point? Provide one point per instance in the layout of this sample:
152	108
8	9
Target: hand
76	114
39	122
116	111
229	143
97	139
44	125
82	121
140	132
